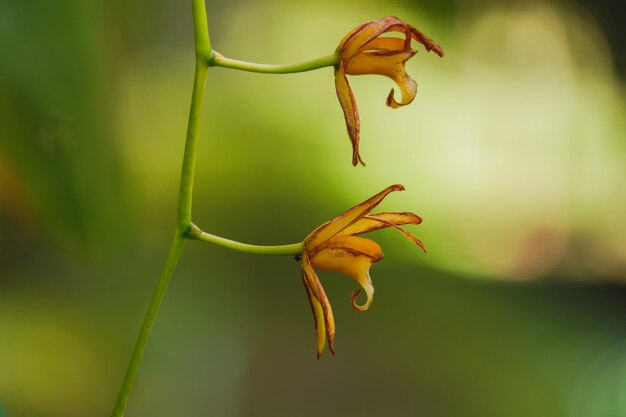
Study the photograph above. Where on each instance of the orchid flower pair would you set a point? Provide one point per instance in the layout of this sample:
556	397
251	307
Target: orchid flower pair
336	245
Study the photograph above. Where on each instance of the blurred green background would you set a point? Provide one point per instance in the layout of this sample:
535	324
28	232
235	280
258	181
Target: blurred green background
513	152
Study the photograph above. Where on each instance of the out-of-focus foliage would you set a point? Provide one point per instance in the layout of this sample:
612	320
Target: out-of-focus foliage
513	151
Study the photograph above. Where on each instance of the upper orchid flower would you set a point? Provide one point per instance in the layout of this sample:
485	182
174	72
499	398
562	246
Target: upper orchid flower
335	246
364	51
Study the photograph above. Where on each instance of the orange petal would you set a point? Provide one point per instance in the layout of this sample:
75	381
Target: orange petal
406	234
352	256
364	33
336	225
350	112
377	221
390	64
318	316
322	311
359	36
383	44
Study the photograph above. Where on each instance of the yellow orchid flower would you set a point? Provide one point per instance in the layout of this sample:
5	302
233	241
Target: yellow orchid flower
364	51
335	246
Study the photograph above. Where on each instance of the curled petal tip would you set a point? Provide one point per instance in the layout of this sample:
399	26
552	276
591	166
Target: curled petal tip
391	101
356	306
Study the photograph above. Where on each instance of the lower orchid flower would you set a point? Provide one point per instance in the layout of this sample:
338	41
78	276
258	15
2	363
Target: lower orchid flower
335	246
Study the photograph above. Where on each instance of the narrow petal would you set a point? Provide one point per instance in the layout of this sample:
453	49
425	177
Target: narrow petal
352	256
336	225
359	36
418	36
318	316
390	64
322	311
350	112
377	221
406	234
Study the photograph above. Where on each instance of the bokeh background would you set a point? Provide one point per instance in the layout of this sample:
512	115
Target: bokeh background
514	153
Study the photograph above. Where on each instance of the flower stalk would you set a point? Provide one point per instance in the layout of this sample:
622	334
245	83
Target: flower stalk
218	60
290	250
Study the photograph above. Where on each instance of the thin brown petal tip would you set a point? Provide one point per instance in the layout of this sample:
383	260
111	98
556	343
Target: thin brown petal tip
390	101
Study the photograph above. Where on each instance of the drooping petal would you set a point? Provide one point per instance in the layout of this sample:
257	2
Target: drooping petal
318	317
322	311
350	112
352	256
345	219
390	64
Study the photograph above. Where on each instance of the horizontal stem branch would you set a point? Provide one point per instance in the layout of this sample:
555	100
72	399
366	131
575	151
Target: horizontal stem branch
218	60
195	233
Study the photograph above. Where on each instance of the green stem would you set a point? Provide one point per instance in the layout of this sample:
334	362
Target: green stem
218	60
183	215
148	322
200	28
203	47
197	234
185	191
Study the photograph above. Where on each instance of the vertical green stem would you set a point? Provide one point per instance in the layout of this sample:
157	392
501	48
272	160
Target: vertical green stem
203	47
189	158
148	322
183	215
200	29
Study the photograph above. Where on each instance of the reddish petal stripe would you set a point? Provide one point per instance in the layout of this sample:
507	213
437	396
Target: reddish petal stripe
408	235
369	224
